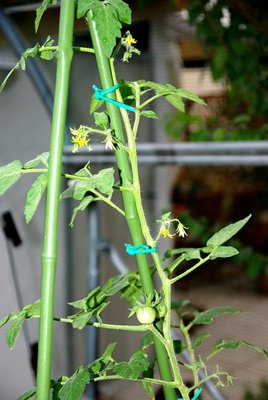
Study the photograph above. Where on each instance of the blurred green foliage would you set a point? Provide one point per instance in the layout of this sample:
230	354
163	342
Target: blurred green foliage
235	37
193	127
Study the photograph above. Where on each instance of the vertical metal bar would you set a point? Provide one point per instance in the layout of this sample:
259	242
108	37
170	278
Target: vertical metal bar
93	248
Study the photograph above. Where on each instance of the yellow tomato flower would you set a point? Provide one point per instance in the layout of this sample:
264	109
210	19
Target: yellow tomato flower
129	40
165	232
80	138
82	142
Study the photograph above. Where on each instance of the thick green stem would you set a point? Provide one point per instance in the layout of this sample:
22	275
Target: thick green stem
128	200
49	255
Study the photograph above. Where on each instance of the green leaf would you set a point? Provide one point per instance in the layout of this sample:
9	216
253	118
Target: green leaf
176	102
75	386
81	207
115	284
92	305
149	114
83	6
90	300
40	11
190	96
31	52
132	369
206	317
48	54
103	181
7	318
192	254
235	344
104	362
101	119
199	339
9	174
223	252
41	158
80	320
107	16
109	351
34	196
27	395
226	233
13	331
173	95
95	104
132	292
123	11
32	310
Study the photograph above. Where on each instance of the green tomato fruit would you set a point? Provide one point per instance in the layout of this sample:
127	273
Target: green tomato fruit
146	315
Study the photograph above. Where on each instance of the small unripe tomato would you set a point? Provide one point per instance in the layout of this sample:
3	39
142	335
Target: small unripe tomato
146	315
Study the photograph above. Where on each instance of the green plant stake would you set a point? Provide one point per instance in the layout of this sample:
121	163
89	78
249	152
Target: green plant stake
49	255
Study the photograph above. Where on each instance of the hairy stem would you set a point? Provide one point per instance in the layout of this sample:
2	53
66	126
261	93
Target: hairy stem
132	217
191	352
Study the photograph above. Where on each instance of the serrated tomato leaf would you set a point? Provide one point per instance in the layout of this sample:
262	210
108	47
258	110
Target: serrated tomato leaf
227	233
199	339
9	175
137	364
108	16
13	331
75	386
206	317
27	395
81	207
235	344
40	11
34	196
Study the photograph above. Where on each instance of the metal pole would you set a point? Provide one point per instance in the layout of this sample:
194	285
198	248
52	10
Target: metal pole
93	248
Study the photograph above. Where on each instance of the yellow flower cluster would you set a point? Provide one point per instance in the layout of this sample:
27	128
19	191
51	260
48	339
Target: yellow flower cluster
80	138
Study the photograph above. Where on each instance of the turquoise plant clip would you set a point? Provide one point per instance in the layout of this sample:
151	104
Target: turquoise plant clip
139	249
100	94
196	395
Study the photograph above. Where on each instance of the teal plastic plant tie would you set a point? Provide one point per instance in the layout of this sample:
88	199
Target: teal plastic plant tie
111	89
195	396
101	95
139	249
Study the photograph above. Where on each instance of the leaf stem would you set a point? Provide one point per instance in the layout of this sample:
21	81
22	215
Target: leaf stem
34	170
156	96
76	48
182	275
190	348
150	380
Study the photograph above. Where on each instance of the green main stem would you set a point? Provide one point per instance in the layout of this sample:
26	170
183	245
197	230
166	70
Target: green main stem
50	244
131	215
